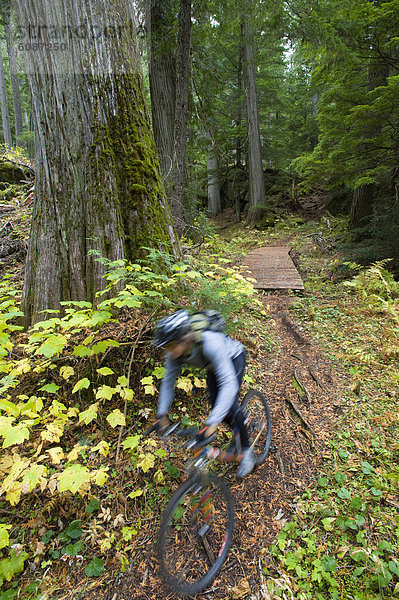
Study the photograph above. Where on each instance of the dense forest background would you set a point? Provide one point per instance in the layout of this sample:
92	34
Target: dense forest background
257	106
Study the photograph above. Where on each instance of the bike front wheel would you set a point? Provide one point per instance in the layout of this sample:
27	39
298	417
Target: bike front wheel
196	533
258	422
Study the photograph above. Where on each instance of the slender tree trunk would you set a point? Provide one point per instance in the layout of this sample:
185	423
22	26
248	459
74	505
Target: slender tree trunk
214	203
181	113
239	104
256	178
4	103
162	76
98	184
14	78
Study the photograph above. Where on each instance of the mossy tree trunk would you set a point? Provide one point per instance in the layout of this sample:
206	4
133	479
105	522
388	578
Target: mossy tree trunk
98	184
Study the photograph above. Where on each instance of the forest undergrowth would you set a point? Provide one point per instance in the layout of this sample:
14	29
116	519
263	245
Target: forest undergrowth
82	490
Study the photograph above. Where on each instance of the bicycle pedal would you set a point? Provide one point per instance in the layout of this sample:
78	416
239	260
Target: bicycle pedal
204	530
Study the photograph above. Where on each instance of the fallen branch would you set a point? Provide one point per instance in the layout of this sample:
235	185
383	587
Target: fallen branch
314	376
300	414
6	208
302	385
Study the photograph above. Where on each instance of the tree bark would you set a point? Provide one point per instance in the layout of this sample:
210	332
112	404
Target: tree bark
97	183
14	77
214	203
162	76
4	103
181	113
240	100
255	168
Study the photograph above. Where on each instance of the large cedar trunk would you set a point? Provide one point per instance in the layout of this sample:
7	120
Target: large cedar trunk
97	175
255	169
181	113
162	76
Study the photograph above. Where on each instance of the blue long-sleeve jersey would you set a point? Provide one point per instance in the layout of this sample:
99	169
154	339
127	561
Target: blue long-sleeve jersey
215	352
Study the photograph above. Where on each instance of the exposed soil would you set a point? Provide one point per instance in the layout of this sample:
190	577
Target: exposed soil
302	420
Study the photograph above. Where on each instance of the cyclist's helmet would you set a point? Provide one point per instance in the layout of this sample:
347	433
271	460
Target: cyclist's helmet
171	328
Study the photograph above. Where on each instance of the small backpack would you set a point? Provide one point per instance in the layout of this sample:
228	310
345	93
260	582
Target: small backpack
206	320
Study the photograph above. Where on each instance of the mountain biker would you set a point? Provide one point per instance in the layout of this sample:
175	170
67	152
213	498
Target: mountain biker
224	360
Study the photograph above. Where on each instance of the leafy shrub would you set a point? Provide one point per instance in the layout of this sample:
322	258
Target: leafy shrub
376	280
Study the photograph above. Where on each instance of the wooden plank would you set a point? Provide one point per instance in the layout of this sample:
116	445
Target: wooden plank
273	269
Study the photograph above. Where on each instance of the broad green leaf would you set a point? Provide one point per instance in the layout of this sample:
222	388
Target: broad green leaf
199	383
16	435
54	431
185	383
136	493
159	372
12	565
50	388
74	453
92	506
116	418
148	383
54	344
74	530
81	384
367	468
126	394
73	478
32	407
56	455
106	392
99	477
9	407
102	448
57	408
35	475
5	424
131	442
123	381
82	351
94	568
67	372
344	493
146	462
75	549
105	371
88	415
4	539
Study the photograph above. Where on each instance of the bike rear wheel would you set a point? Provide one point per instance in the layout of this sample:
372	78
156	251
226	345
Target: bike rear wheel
258	422
196	533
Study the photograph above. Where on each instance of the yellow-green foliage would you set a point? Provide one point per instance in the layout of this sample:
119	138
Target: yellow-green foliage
55	386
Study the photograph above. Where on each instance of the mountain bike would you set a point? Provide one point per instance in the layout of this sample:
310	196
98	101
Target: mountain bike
196	531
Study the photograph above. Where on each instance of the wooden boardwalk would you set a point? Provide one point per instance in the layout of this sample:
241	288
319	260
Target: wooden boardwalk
273	269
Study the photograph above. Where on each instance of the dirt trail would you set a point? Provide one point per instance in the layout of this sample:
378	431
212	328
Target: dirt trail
265	499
